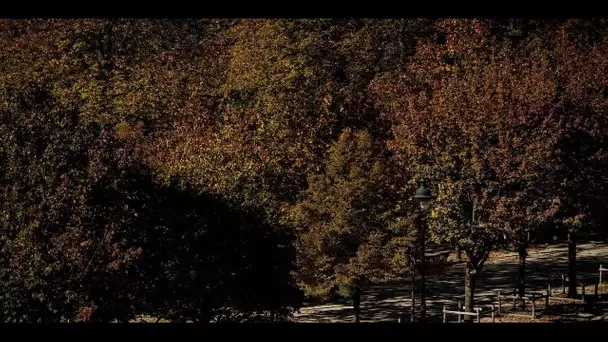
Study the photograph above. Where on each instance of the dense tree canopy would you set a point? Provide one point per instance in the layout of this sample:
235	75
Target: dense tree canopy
198	169
476	114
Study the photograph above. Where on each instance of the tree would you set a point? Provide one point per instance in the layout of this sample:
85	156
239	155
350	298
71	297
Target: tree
470	117
342	221
577	180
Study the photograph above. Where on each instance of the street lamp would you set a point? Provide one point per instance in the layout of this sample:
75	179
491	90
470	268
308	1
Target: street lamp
423	195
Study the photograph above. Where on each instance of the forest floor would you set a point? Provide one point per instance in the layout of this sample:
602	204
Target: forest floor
389	302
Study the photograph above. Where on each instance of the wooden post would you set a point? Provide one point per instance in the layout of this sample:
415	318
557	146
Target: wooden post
596	296
413	309
493	316
547	300
499	300
458	309
583	291
601	271
478	316
563	283
444	315
533	306
549	288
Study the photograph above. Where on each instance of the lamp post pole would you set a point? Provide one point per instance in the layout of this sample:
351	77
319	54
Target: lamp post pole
423	195
422	271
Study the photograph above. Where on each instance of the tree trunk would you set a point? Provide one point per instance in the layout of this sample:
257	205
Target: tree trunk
469	290
521	279
357	303
571	264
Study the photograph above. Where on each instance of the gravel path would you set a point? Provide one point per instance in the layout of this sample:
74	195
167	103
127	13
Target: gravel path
387	302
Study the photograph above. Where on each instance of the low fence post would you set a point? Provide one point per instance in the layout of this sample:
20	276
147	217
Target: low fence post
499	300
413	308
563	283
493	315
547	300
478	316
596	293
444	314
458	310
601	272
549	288
533	306
583	291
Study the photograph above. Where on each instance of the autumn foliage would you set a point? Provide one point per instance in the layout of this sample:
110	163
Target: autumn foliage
212	170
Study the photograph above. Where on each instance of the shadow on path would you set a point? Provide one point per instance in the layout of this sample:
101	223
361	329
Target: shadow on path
387	302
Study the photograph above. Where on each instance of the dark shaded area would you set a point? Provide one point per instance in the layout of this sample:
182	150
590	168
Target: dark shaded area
164	251
202	257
